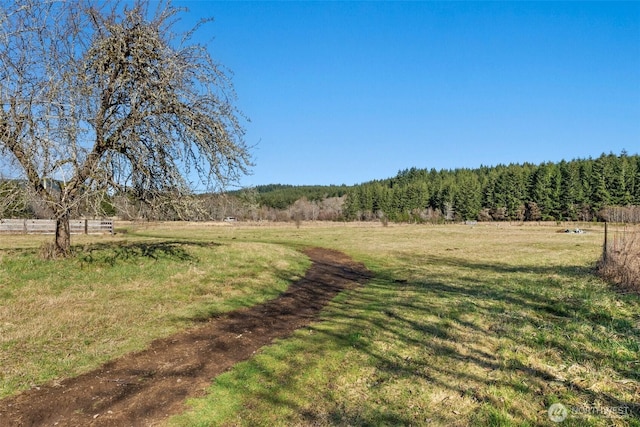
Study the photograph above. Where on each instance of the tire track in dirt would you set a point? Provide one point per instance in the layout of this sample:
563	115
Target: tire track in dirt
144	388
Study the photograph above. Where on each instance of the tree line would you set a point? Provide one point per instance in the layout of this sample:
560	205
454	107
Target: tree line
605	188
280	196
582	190
263	203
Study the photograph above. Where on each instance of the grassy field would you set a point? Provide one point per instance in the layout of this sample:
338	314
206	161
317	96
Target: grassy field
61	318
482	325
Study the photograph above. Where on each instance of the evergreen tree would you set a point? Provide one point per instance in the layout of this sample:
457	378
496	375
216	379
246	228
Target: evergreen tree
511	192
636	182
489	191
351	209
468	198
571	194
544	191
599	196
619	183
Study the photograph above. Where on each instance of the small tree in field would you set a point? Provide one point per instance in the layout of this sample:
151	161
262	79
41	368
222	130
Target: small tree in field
97	98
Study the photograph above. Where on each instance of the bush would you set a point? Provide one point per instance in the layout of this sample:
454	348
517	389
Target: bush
620	261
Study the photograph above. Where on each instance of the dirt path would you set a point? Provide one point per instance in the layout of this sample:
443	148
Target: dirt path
142	389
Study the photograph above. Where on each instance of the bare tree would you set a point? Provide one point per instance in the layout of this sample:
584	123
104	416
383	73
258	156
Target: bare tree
13	201
99	98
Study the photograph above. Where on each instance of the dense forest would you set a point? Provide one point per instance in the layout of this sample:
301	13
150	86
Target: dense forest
279	196
568	190
605	188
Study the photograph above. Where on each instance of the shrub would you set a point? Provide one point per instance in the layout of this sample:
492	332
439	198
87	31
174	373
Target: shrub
620	261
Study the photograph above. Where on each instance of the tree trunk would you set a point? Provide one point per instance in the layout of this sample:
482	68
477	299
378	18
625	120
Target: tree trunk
63	236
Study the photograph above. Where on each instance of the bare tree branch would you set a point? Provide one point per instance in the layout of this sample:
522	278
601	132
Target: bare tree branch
97	99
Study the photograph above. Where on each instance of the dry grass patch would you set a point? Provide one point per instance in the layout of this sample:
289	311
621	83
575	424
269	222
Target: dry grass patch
620	260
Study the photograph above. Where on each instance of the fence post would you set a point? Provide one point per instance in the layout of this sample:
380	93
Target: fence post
24	226
86	226
606	235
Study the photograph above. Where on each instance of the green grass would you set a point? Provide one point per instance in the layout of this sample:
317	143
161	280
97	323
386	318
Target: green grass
461	325
61	318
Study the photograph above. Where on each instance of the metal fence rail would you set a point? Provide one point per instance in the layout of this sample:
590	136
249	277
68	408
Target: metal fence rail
48	226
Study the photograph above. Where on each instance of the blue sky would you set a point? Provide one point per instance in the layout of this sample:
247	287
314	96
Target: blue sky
347	92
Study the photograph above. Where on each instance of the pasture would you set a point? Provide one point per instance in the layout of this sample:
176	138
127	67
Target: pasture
460	325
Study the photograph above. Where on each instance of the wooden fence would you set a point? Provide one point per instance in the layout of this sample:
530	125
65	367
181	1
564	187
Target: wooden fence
48	226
